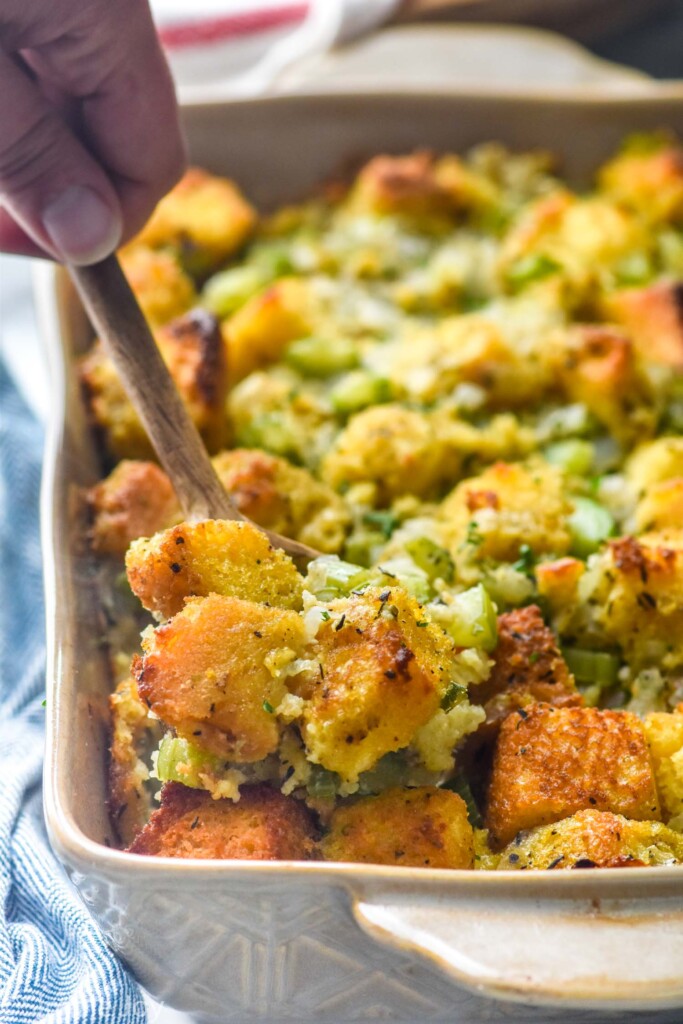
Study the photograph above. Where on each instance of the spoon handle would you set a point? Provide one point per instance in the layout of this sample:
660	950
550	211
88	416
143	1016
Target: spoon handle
118	320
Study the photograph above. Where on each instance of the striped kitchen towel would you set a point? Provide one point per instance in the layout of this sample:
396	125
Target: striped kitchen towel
54	964
243	46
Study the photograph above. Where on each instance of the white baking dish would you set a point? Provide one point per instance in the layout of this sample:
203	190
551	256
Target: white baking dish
276	942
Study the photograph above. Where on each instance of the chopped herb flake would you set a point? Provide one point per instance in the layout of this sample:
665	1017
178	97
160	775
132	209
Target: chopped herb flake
385	522
455	694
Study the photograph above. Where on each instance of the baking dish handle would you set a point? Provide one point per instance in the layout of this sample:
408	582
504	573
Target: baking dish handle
590	953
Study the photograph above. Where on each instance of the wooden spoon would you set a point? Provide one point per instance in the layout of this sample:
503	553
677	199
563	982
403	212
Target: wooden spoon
119	321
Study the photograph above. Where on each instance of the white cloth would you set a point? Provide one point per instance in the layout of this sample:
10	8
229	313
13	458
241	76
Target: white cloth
242	48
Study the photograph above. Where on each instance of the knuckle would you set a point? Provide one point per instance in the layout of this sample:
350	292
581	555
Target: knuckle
30	156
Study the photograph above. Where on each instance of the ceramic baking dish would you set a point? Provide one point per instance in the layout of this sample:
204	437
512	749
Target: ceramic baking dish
239	941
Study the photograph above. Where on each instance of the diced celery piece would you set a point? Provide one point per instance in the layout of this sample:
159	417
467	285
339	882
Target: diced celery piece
322	784
364	546
434	560
533	267
573	456
329	577
573	420
607	454
271	431
592	667
591	695
459	784
226	292
321	357
404	573
474	622
182	761
386	522
273	259
390	770
589	525
357	391
636	268
670	244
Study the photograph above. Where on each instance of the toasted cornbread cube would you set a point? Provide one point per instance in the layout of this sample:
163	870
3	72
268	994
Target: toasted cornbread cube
557	581
528	667
653	319
485	859
382	678
205	218
417	828
662	507
654	462
264	411
263	825
261	330
162	288
395	448
637	598
134	733
215	556
401	184
110	411
649	182
597	367
579	235
506	506
551	762
597	231
540	221
431	361
593	839
418	185
284	498
193	350
135	500
665	736
215	673
502	437
466	189
482	352
558	585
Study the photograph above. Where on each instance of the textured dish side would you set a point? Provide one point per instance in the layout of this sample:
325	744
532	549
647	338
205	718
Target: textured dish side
280	942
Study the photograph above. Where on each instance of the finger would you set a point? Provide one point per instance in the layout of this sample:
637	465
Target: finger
128	111
14	239
49	183
132	119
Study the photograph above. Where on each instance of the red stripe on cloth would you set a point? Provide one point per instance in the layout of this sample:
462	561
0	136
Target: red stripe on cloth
229	26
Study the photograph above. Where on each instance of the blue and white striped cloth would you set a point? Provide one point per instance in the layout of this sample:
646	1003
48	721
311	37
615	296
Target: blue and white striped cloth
55	967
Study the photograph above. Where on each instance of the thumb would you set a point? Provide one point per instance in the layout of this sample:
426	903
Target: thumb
49	183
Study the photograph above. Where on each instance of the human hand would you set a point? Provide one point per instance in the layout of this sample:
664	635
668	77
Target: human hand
89	131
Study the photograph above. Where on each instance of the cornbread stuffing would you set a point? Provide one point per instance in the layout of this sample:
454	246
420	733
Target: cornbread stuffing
459	379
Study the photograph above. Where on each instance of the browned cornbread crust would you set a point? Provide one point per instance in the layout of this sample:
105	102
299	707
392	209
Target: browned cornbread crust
551	762
263	825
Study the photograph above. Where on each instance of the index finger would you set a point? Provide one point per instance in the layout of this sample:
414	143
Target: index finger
107	56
